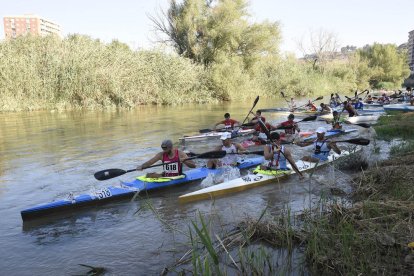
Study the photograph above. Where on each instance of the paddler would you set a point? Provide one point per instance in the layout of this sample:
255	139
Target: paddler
229	147
290	126
321	147
310	106
351	110
337	120
171	155
277	155
325	109
228	122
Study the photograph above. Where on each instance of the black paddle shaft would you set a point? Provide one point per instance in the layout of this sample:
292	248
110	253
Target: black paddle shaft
111	173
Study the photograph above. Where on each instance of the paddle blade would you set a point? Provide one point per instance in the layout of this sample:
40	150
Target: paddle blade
356	141
283	94
211	154
310	118
205	130
259	152
255	102
365	125
356	94
108	174
318	98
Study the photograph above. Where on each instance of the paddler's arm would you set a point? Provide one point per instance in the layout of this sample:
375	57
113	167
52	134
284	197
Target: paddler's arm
268	152
334	147
303	144
183	156
157	157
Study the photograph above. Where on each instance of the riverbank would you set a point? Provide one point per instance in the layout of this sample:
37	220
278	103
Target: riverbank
367	231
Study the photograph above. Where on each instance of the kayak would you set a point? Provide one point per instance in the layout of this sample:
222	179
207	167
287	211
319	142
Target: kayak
365	117
126	190
257	178
399	107
215	134
331	133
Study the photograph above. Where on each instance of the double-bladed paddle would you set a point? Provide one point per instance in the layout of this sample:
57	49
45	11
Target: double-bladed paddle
267	132
356	141
111	173
317	99
259	152
284	97
307	119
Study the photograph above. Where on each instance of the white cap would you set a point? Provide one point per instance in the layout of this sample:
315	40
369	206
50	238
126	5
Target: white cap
225	136
320	130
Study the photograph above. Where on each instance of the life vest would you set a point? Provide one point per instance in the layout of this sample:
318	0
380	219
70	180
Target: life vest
278	160
336	123
173	169
321	149
228	123
288	124
229	159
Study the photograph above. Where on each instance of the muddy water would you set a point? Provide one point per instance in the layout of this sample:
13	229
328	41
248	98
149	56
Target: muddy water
44	156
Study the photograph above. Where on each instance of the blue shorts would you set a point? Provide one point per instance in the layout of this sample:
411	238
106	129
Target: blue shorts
322	157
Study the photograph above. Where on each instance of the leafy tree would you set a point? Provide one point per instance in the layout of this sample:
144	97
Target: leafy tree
386	64
207	31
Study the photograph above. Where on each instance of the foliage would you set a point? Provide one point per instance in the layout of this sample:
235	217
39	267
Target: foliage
79	72
205	31
386	64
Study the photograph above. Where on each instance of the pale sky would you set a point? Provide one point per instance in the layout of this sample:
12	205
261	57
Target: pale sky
355	22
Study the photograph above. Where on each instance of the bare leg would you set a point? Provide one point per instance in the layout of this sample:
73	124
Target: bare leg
310	159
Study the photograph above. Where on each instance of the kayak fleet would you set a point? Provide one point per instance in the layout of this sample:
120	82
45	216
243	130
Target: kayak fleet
253	178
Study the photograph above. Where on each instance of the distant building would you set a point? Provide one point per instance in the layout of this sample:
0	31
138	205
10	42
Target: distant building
15	26
410	49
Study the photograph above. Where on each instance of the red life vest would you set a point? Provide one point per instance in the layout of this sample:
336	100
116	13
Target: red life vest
173	169
289	124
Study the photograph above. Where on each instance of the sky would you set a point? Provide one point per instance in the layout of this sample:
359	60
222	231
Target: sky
354	22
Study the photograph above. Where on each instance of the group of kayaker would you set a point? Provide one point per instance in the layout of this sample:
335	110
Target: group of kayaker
275	154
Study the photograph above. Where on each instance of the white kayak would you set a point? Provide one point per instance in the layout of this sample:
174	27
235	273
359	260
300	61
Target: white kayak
356	119
399	107
216	134
253	180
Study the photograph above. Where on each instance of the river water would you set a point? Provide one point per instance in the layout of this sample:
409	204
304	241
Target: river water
46	155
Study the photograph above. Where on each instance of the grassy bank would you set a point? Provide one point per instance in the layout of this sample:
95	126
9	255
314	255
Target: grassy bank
366	232
80	72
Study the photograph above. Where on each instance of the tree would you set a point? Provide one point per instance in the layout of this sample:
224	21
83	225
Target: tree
322	47
386	63
207	30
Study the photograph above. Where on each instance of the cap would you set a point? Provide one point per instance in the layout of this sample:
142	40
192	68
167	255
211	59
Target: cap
225	136
320	130
291	116
167	143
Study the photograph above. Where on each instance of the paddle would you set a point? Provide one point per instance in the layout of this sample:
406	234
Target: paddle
309	118
259	152
111	173
364	125
254	104
356	141
317	99
267	132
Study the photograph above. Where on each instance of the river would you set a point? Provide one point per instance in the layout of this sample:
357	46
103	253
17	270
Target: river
46	155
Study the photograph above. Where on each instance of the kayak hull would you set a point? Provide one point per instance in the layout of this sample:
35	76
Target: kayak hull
399	107
214	134
331	133
253	180
125	190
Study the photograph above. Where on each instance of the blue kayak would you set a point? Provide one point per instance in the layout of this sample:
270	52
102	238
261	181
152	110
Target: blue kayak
331	133
125	190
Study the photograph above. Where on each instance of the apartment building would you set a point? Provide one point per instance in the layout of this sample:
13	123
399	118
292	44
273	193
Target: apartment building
15	26
410	48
